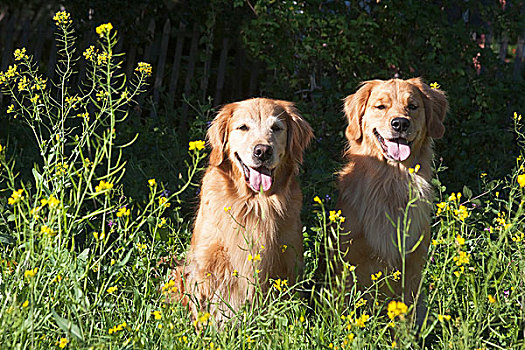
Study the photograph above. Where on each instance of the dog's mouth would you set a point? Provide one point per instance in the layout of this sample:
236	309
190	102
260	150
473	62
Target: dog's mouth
259	179
397	149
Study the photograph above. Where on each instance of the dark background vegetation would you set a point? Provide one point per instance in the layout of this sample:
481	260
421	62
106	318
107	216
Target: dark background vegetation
313	53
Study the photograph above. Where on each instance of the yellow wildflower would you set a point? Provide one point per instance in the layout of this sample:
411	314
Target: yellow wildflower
492	300
157	315
360	302
336	216
123	212
397	309
62	18
46	230
103	185
22	84
283	248
11	108
202	318
162	222
235	273
361	320
196	145
98	236
280	285
257	257
141	247
442	318
26	303
35	99
460	240
30	273
521	180
163	201
462	259
104	29
118	328
227	209
89	54
434	85
62	343
144	68
375	277
16	197
462	212
152	182
517	116
111	290
396	275
318	200
169	287
415	169
103	58
20	54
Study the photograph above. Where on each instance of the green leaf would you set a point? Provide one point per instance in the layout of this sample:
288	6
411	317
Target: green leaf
467	192
67	326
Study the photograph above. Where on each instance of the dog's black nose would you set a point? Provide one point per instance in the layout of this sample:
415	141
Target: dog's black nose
262	152
400	124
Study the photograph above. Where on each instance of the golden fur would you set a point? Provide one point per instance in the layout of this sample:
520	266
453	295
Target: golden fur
376	184
234	220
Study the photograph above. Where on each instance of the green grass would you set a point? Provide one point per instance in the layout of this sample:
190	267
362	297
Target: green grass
80	257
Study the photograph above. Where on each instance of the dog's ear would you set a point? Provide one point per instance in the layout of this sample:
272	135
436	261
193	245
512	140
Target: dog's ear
436	107
355	109
218	134
300	133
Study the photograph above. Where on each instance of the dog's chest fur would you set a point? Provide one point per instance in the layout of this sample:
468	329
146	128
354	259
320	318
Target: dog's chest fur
378	198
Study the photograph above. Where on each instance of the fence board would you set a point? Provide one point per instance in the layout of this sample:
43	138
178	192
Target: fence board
176	63
161	63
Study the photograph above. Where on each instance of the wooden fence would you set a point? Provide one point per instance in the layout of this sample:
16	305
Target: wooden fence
185	61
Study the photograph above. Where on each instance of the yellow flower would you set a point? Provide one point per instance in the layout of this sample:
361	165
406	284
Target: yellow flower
62	343
35	99
517	116
20	54
163	201
46	230
442	318
103	58
361	320
460	240
396	309
415	169
492	300
111	290
98	236
62	18
521	180
141	247
157	315
30	273
462	212
11	108
227	209
376	276
103	185
280	285
162	222
434	85
202	318
22	84
196	145
283	248
144	68
360	303
104	29
123	212
318	200
462	259
235	273
396	275
257	257
26	303
301	319
89	54
336	216
16	197
118	328
152	182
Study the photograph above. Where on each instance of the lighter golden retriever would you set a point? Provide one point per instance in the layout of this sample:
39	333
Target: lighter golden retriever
391	127
248	227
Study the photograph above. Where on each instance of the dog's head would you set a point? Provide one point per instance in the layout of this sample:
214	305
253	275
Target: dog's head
259	137
393	118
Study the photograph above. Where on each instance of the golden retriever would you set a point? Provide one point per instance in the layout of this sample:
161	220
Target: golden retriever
248	226
391	127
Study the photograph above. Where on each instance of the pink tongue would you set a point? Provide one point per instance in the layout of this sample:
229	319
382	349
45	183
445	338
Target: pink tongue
398	151
257	178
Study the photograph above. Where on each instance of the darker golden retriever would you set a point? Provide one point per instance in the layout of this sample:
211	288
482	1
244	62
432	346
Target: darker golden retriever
391	127
248	227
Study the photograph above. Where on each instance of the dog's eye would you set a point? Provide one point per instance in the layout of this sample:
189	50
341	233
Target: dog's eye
381	107
412	107
243	127
276	128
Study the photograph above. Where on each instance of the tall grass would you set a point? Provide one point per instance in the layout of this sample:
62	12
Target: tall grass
81	260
